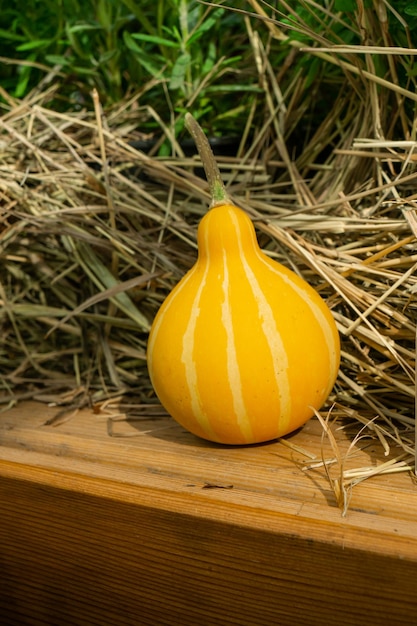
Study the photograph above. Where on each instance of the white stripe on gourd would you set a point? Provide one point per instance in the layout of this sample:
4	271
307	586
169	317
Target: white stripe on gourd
322	321
188	359
233	368
272	335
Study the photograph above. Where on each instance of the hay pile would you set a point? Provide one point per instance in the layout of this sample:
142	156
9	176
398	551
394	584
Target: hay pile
94	233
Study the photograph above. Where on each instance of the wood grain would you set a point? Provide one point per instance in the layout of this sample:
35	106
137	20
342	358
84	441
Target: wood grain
156	527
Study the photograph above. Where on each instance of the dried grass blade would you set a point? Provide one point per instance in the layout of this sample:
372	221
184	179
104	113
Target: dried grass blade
104	279
109	294
412	220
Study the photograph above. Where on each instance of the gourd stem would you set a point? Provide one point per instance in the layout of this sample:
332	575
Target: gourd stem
218	191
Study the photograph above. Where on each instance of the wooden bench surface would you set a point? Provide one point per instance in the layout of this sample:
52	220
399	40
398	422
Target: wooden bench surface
160	527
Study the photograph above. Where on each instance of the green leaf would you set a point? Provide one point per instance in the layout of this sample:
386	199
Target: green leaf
8	35
75	42
104	14
154	39
24	74
179	70
106	56
205	26
80	28
210	59
312	73
346	6
59	59
133	6
143	58
411	8
84	71
34	45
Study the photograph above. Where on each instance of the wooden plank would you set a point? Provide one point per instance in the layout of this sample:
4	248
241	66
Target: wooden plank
157	527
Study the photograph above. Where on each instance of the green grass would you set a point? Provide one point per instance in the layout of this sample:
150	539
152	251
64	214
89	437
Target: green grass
183	55
177	52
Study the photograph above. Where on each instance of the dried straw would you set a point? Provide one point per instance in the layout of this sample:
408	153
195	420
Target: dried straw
94	233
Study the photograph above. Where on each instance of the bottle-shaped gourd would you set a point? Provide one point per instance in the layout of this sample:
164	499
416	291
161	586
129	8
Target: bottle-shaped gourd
242	350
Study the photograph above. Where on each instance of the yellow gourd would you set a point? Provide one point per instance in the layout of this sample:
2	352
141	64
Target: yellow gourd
242	350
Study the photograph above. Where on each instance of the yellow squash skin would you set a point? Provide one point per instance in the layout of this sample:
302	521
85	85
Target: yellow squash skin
242	348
